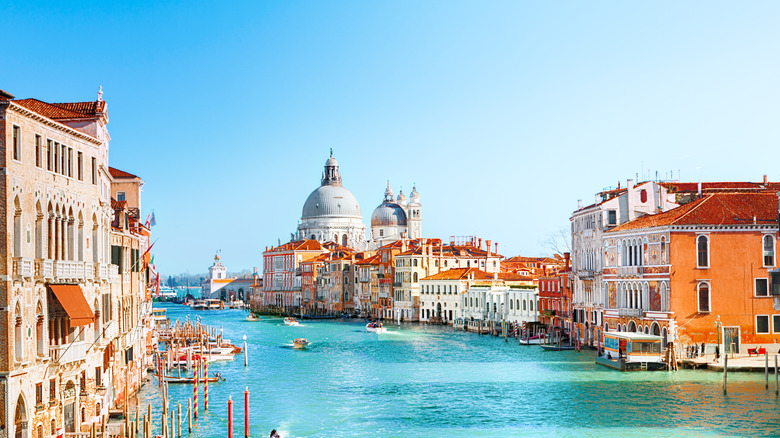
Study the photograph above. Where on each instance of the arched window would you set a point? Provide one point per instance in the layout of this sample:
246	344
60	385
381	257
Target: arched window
344	240
606	327
414	277
531	305
524	305
769	250
663	251
704	297
643	196
702	251
17	228
510	305
415	262
38	231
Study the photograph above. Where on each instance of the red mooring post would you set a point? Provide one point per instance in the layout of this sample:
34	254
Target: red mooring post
246	412
230	417
205	385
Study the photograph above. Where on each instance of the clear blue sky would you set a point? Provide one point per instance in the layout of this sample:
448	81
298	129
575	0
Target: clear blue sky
503	113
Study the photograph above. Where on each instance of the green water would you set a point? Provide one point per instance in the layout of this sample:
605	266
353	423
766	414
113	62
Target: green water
433	381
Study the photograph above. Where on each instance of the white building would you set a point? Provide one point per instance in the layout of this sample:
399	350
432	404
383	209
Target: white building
440	294
393	220
500	302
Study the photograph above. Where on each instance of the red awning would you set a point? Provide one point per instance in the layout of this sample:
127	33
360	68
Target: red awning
72	300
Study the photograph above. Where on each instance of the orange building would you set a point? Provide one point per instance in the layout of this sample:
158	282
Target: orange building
697	274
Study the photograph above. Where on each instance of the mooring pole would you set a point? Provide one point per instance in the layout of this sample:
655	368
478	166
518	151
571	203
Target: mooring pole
725	371
230	417
246	412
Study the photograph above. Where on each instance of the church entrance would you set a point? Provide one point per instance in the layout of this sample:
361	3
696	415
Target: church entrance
20	419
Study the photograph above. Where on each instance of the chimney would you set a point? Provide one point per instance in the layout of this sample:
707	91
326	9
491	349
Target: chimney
698	192
487	246
765	181
567	258
496	248
630	199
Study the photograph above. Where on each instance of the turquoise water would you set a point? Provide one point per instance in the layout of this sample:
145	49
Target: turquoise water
434	381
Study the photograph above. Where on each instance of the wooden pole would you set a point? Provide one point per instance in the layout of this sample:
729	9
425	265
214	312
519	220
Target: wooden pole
205	386
766	369
246	412
195	389
150	419
189	416
230	417
103	433
178	421
725	371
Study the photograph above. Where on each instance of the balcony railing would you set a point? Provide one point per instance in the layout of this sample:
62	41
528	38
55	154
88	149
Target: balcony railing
101	271
113	273
67	353
44	269
23	267
630	271
629	312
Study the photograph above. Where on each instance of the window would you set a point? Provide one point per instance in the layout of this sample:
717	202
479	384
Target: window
52	389
56	157
769	250
38	393
49	151
762	287
704	297
120	196
17	147
643	196
37	150
611	217
775	323
70	162
80	166
94	170
381	233
762	324
702	250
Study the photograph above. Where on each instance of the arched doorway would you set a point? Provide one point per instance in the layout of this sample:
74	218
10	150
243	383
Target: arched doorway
438	311
20	419
631	326
663	339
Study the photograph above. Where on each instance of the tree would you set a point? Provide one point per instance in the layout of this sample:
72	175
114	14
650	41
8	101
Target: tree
559	241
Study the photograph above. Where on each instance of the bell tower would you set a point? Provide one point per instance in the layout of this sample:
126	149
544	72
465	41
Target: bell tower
414	215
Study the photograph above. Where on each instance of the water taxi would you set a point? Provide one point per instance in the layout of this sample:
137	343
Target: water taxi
290	321
300	343
627	351
252	317
375	327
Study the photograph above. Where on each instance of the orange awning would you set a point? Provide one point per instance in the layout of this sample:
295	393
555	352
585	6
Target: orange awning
72	300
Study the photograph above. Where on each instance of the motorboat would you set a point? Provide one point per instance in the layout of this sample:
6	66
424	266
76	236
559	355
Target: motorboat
375	327
252	317
556	347
184	379
291	321
300	343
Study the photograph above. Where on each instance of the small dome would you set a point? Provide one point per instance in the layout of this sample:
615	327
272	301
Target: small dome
331	162
401	200
388	214
331	201
414	198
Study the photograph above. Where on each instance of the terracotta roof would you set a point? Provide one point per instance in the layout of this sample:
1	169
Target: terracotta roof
4	95
714	209
59	111
298	245
723	186
460	274
116	173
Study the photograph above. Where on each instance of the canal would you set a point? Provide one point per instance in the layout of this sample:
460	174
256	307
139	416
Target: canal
420	380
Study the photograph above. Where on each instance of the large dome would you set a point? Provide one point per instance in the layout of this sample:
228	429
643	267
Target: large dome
331	200
388	214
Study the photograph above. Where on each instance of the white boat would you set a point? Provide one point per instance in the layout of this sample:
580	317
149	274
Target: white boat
252	317
300	343
291	321
375	327
533	340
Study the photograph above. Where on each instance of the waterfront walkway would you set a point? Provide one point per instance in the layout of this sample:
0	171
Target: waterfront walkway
737	362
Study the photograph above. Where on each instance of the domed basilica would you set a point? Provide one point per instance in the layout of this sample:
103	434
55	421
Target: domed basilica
332	213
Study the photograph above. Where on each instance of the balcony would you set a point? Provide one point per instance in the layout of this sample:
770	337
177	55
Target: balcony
68	353
629	312
630	271
101	271
23	267
113	273
396	284
66	271
44	268
89	271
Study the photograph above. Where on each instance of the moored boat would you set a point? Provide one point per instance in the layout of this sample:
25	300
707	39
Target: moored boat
555	347
532	340
184	379
627	351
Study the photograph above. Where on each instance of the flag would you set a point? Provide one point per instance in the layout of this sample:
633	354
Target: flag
152	220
